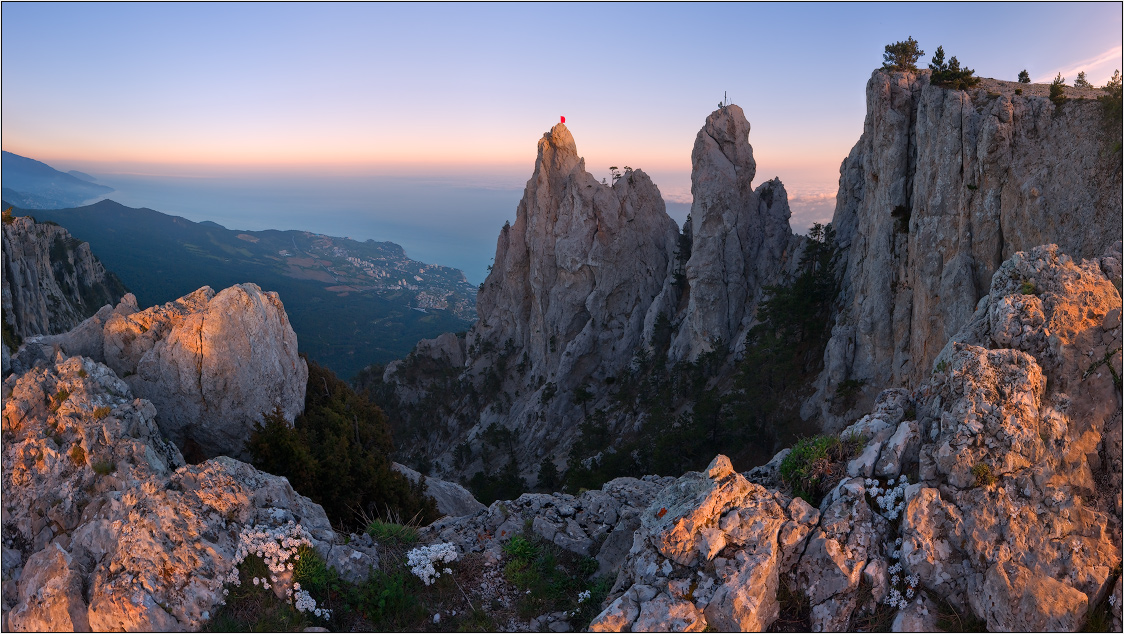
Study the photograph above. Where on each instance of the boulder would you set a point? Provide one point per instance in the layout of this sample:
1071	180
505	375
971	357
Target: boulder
452	499
213	364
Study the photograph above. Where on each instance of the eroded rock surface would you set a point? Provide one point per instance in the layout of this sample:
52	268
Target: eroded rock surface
213	364
107	527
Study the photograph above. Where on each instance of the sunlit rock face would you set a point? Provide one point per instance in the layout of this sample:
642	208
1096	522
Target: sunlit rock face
212	363
941	188
106	528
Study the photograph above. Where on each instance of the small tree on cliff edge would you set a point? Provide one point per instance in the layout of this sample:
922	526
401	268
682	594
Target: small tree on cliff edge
1082	81
902	55
950	75
1057	90
1024	77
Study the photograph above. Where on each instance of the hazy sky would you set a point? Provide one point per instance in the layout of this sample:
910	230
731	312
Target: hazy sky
467	89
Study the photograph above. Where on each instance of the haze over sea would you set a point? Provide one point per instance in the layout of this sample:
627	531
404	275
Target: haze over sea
447	220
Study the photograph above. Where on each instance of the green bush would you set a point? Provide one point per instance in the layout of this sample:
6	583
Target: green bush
59	398
1112	105
401	534
901	56
815	464
11	337
983	474
78	455
338	453
104	467
553	579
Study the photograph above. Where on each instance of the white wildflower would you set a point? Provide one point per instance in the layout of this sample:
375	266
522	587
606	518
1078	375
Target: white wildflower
583	596
421	561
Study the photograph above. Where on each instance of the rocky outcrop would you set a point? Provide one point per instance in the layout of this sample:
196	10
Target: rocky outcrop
942	187
51	280
104	525
993	490
212	364
593	524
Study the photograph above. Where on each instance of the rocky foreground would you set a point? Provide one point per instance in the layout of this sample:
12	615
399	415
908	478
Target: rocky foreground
993	489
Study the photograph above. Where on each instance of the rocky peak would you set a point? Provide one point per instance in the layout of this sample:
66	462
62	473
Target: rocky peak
741	239
722	151
212	363
573	278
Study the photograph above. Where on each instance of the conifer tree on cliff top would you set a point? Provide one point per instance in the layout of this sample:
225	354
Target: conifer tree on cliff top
902	56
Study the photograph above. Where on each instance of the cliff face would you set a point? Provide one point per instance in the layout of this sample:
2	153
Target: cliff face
51	280
943	186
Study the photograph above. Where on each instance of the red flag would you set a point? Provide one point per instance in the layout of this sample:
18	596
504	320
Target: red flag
563	119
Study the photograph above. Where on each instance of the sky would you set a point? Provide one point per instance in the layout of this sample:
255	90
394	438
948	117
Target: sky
459	94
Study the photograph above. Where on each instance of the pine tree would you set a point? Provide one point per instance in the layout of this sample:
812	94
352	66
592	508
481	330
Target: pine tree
902	56
1057	90
950	75
1024	77
1082	81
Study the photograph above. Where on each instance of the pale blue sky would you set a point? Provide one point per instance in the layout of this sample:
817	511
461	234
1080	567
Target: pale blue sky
467	89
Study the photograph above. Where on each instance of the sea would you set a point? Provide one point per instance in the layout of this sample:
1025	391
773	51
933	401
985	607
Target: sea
452	221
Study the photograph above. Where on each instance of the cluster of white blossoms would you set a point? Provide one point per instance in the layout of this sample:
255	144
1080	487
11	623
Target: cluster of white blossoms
425	561
898	597
279	549
890	500
584	595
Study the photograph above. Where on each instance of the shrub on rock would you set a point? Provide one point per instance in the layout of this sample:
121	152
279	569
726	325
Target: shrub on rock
338	453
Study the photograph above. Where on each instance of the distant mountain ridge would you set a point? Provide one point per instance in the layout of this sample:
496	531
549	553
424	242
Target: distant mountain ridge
31	184
349	302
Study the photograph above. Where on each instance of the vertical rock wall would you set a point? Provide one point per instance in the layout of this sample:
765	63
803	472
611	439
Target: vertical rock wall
942	186
51	281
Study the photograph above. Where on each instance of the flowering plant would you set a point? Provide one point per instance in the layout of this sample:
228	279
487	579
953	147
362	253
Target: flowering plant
279	548
425	561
